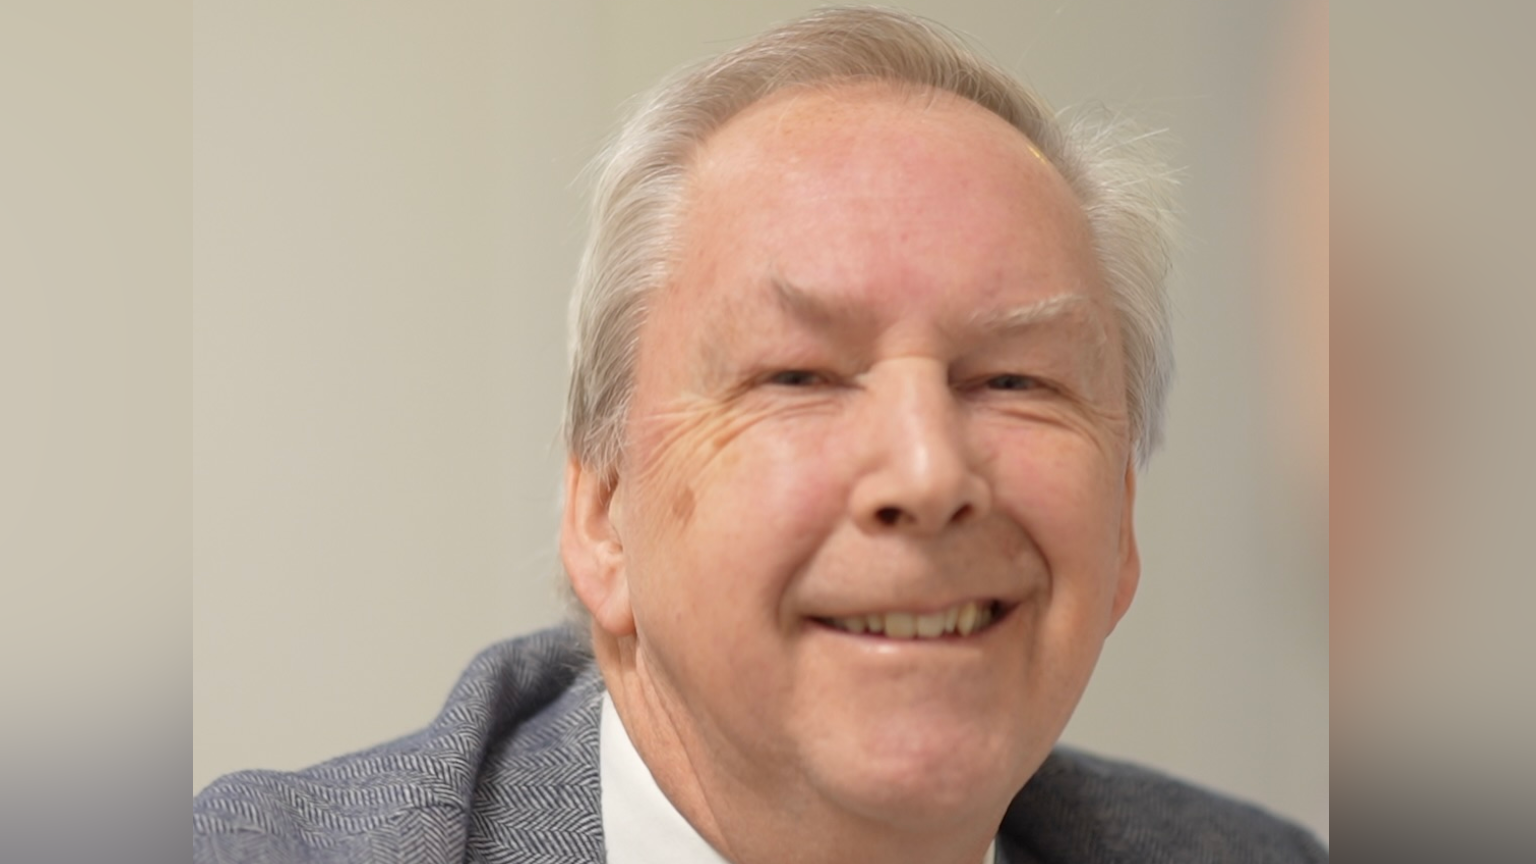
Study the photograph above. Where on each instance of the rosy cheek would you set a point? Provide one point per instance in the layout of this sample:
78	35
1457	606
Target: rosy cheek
1056	485
780	476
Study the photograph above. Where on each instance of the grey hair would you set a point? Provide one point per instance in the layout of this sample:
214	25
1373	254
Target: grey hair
642	178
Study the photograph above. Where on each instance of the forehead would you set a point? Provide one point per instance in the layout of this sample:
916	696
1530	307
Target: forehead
880	199
840	120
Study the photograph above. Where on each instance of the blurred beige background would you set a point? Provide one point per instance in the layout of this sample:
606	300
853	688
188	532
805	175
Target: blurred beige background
386	222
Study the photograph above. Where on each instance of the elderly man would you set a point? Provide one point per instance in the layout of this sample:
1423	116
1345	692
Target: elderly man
868	350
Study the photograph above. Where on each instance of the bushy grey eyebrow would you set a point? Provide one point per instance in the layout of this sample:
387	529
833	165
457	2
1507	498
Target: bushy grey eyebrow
824	312
1027	315
831	314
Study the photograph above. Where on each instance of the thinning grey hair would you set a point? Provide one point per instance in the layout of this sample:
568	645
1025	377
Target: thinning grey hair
641	184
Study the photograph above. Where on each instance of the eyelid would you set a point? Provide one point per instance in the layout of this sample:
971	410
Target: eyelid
796	378
1032	383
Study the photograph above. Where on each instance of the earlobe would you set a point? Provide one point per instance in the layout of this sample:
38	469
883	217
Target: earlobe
1130	557
592	549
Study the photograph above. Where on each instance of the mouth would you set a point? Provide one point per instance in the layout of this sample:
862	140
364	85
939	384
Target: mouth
957	621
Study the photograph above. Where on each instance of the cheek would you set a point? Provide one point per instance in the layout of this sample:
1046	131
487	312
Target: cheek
686	472
1067	495
766	508
727	505
1069	502
709	592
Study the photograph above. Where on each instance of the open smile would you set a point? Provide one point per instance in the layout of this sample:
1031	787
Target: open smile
959	620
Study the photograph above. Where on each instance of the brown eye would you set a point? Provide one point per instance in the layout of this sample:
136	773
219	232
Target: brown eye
795	378
1013	382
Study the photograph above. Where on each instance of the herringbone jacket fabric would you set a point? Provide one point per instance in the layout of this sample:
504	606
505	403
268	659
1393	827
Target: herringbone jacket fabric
508	772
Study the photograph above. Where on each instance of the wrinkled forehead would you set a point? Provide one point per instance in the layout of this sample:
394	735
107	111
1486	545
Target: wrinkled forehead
865	196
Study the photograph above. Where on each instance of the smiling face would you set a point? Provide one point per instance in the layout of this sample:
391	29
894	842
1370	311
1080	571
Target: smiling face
882	389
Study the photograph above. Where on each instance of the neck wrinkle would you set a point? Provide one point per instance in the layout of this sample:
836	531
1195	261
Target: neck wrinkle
653	730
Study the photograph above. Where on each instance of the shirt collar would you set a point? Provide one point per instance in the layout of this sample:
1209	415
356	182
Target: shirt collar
640	826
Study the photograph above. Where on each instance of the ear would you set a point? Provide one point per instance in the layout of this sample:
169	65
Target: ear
593	550
1130	556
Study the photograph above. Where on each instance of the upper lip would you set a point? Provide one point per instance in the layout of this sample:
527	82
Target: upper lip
926	606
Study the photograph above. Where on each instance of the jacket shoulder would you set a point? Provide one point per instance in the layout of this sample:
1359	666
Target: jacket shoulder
1080	807
530	701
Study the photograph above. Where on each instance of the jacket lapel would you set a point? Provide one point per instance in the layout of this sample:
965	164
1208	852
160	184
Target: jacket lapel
538	796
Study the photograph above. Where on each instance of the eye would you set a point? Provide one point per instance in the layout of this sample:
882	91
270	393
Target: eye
1013	382
796	378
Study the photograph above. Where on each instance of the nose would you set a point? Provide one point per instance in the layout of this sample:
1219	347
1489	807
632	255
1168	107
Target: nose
920	475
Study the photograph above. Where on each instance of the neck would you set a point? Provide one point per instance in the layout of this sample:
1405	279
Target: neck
757	813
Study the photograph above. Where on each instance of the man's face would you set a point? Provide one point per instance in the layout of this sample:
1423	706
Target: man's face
883	382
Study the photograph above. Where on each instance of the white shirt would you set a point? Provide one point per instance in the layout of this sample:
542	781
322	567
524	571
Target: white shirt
640	826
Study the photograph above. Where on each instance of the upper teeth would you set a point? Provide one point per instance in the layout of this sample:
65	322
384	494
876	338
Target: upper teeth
964	619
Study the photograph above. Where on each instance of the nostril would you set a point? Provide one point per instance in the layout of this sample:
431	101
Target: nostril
962	514
888	515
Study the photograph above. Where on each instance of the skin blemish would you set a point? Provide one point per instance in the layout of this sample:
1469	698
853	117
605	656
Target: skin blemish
685	444
683	503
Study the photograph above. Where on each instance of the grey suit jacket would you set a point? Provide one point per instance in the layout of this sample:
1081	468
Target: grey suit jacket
508	773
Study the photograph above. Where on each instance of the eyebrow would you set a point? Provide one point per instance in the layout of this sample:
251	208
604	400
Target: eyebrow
813	309
825	313
1028	315
820	310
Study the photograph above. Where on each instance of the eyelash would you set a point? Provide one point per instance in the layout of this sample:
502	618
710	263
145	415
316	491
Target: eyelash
796	378
1029	382
1010	382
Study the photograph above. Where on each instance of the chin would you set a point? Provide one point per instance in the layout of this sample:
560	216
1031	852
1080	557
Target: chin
931	777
